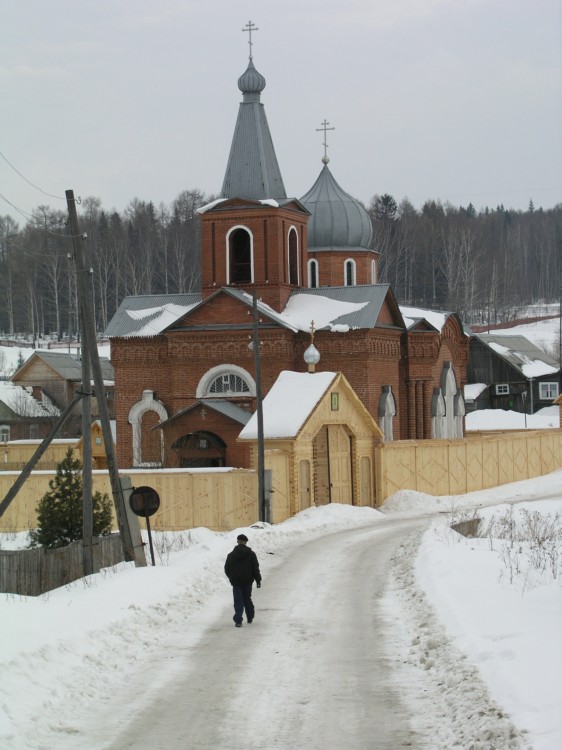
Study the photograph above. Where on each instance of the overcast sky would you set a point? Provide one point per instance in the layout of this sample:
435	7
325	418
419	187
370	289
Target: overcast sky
456	100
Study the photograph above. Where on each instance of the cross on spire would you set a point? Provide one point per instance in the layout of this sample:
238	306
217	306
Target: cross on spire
325	128
249	27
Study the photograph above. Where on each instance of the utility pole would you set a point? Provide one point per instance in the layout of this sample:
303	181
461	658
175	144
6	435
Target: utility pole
128	523
87	509
259	410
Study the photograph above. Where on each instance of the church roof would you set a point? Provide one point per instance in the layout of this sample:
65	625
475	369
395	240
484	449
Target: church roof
337	220
149	314
365	304
252	170
337	309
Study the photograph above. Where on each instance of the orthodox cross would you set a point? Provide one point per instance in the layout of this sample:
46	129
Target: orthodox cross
312	331
249	27
325	128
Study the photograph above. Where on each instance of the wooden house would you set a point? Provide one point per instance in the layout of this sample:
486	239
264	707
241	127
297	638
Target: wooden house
56	376
319	442
519	375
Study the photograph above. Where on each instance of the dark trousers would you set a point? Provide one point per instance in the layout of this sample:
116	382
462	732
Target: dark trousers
243	601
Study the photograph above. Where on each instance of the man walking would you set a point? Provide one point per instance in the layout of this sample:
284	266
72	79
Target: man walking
242	569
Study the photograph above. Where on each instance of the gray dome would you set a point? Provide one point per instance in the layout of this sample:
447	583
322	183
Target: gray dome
337	220
251	82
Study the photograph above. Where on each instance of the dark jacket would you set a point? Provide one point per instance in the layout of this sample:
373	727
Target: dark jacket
242	566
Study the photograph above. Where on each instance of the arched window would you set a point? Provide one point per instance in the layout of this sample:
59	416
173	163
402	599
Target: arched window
228	384
313	274
226	381
240	260
148	444
373	272
293	257
349	272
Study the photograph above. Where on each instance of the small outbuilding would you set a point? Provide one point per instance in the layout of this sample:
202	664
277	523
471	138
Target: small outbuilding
319	442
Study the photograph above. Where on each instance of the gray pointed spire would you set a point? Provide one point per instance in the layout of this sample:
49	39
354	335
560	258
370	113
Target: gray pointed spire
252	170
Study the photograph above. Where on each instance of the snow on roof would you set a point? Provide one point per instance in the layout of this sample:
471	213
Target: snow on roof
22	403
301	309
162	317
521	354
436	319
288	404
212	204
536	368
473	390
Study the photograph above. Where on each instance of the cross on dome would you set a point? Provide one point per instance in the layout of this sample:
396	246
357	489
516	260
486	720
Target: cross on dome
249	27
325	128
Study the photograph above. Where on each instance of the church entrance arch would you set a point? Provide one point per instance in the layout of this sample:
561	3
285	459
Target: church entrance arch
198	450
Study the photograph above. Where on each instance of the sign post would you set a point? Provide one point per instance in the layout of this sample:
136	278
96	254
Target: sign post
145	501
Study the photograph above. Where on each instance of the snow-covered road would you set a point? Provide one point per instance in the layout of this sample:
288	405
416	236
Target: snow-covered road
329	662
312	671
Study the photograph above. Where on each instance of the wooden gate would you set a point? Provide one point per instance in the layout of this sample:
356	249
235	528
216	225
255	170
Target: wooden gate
339	455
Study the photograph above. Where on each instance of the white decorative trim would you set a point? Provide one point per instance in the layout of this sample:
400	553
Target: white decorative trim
147	403
353	273
313	262
293	228
210	375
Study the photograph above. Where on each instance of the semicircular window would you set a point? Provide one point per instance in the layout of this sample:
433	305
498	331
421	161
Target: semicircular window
228	384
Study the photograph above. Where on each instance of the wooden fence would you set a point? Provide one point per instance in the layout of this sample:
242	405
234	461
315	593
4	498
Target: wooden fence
32	572
221	499
477	462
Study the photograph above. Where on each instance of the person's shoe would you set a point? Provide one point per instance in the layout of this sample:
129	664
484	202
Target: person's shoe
238	624
250	620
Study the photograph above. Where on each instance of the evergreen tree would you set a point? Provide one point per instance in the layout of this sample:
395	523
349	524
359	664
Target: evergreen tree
59	512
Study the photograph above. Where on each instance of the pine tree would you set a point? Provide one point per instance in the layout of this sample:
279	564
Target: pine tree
59	512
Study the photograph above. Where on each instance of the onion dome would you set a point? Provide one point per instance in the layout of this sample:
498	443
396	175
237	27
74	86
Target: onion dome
251	82
337	220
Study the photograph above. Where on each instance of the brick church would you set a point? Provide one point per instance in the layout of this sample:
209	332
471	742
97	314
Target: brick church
185	376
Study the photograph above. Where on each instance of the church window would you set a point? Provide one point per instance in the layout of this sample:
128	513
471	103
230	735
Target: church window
349	272
228	384
313	274
373	272
148	444
293	258
240	265
225	381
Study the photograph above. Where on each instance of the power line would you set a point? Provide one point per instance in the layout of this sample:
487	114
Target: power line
19	210
59	197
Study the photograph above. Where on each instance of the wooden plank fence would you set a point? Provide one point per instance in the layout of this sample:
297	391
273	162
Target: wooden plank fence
32	572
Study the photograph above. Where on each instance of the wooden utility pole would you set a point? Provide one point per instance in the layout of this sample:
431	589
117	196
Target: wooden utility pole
88	564
259	410
128	523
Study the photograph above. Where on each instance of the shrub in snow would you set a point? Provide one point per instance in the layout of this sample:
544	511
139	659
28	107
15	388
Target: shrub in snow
59	512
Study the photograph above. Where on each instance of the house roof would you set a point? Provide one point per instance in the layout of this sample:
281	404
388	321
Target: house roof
20	403
67	366
220	405
521	354
302	390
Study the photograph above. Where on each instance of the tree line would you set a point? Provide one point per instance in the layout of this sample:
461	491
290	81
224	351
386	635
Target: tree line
480	264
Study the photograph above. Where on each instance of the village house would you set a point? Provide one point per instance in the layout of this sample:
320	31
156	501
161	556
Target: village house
510	372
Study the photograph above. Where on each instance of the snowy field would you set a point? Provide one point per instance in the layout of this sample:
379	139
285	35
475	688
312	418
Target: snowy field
465	610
